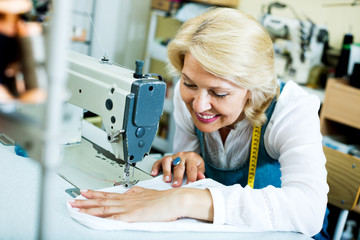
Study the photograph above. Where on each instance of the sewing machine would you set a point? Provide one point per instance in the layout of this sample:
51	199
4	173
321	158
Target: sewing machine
130	105
298	44
21	177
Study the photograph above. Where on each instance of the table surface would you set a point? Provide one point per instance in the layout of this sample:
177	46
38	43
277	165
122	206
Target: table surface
19	208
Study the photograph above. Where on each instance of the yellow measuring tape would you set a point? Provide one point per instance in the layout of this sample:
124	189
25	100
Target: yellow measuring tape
254	155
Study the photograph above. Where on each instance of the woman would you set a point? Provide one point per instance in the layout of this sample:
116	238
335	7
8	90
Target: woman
227	86
17	55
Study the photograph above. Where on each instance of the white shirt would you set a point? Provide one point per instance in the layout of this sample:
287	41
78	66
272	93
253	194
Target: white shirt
293	137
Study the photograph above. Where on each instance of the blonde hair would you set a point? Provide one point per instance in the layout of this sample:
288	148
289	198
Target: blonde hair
234	46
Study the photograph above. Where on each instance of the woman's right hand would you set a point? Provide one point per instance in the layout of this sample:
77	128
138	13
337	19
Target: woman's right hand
190	162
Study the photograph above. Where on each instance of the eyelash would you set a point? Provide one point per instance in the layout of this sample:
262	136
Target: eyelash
220	96
189	85
216	95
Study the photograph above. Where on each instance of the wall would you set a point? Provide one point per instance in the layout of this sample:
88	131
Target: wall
107	15
132	31
339	19
122	27
80	22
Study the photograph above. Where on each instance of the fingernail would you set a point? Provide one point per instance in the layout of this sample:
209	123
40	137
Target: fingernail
175	183
152	173
83	190
71	201
167	179
76	209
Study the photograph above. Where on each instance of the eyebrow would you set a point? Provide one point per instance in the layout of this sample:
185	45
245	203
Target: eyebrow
211	88
185	76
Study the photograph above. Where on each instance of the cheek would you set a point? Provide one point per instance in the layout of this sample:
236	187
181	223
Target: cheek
243	98
234	107
229	110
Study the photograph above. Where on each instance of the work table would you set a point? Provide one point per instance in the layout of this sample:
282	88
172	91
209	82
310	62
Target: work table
20	184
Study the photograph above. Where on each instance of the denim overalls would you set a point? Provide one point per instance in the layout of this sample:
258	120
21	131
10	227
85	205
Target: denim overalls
267	169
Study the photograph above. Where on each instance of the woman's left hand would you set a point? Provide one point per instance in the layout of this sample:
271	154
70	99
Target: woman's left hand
147	205
137	204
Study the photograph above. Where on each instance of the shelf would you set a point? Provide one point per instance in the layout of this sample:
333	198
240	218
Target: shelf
343	171
158	51
340	115
226	3
162	27
81	42
342	103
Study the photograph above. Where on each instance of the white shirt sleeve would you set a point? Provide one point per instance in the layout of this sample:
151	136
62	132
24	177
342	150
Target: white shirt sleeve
292	136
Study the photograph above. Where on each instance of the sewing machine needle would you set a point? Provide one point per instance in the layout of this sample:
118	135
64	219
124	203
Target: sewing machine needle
133	171
127	174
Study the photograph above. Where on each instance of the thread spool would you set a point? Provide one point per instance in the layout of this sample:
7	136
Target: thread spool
341	68
355	76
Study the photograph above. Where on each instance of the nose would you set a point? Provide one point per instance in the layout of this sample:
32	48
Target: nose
201	102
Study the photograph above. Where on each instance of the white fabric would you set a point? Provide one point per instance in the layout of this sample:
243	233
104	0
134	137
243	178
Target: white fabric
293	137
184	224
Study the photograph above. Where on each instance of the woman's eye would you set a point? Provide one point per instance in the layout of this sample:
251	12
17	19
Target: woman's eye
189	85
220	95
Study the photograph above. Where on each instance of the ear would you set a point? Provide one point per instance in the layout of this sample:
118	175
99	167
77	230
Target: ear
248	94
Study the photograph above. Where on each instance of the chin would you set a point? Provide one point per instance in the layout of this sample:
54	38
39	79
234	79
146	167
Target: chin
205	127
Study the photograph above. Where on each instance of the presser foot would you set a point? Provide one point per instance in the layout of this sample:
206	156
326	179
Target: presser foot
127	184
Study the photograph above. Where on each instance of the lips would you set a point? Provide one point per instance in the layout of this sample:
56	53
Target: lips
206	118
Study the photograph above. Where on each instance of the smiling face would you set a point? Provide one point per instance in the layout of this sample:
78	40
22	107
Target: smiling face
214	103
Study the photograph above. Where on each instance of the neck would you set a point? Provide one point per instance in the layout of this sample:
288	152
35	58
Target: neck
224	132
